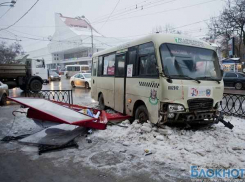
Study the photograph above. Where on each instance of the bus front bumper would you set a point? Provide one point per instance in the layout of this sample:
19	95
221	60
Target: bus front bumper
189	117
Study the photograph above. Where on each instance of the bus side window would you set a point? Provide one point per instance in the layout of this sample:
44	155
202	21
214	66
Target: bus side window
120	65
109	65
77	68
94	69
132	59
147	60
100	64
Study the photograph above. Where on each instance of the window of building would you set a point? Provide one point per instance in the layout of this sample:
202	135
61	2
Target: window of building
109	65
83	53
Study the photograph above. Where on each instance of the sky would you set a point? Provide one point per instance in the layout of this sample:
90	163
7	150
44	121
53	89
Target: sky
112	18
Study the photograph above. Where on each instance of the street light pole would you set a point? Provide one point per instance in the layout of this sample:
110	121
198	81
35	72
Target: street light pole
92	39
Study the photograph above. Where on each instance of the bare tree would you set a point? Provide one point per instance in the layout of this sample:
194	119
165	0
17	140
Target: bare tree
8	53
230	23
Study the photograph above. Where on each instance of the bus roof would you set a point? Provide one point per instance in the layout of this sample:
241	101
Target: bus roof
159	39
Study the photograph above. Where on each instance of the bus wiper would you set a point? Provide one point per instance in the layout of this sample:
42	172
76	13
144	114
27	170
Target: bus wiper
209	78
185	76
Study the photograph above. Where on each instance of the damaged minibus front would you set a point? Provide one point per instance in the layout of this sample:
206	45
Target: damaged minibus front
161	78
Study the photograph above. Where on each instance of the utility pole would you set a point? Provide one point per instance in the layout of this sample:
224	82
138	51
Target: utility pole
92	38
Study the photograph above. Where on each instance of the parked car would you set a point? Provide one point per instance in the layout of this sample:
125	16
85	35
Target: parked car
81	80
4	92
232	79
54	76
55	70
62	71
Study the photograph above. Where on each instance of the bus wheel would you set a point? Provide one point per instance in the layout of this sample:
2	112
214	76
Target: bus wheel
141	114
66	76
101	102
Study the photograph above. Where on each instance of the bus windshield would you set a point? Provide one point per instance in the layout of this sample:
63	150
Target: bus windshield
181	61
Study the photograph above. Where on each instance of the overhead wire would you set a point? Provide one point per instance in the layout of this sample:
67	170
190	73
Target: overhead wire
51	26
20	17
44	38
5	38
136	8
5	13
110	14
123	9
159	12
143	7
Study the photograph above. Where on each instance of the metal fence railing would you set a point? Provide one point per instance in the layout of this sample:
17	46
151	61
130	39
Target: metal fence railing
55	95
233	104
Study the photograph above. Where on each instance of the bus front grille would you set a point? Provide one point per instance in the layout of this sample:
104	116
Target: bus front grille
200	104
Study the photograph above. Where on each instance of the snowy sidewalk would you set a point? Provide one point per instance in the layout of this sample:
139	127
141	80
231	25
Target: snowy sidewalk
214	147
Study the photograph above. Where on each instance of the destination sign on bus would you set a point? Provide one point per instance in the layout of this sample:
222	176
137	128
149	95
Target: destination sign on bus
189	42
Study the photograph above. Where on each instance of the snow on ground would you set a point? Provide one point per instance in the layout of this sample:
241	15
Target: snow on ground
122	148
213	147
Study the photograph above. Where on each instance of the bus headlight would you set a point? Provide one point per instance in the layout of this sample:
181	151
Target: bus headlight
175	108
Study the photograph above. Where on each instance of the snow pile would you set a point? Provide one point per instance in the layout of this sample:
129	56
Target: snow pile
213	147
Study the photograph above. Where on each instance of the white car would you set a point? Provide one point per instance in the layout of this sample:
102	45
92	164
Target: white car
4	92
81	80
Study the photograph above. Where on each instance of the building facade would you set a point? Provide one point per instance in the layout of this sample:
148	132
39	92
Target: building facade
73	42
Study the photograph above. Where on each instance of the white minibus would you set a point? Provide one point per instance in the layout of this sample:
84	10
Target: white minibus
74	69
161	78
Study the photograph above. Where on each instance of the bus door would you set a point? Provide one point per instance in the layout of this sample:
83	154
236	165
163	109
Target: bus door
120	83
